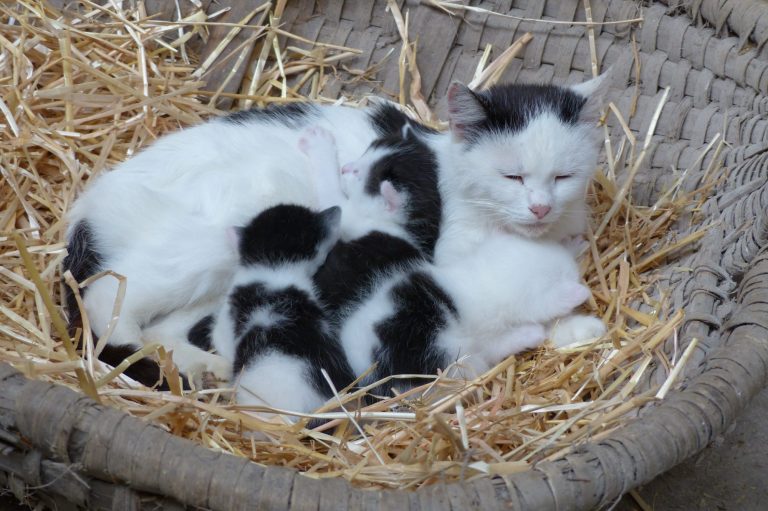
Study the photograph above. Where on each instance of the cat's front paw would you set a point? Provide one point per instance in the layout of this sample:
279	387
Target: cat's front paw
567	296
318	144
575	329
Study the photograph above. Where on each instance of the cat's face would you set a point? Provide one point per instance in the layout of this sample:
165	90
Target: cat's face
526	153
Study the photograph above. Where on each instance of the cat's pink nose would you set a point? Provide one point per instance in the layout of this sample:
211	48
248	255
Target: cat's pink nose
540	210
346	169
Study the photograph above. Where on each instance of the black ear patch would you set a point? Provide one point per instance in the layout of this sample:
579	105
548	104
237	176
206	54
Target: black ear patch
509	108
465	109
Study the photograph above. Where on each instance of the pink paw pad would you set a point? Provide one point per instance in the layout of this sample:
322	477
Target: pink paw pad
316	140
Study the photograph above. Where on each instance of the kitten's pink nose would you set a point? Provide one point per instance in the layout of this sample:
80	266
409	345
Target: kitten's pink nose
346	169
540	210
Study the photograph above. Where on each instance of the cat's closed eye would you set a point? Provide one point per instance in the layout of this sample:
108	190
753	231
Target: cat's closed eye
515	178
562	177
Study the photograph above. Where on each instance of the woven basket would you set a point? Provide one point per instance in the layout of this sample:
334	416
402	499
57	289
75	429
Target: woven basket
711	56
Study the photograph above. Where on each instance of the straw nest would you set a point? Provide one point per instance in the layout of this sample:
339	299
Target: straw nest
81	93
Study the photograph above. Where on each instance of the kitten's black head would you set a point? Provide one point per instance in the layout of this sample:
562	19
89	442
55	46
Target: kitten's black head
288	234
411	166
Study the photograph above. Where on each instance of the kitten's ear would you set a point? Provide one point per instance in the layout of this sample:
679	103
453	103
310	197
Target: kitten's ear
392	197
594	91
407	131
331	217
234	235
464	109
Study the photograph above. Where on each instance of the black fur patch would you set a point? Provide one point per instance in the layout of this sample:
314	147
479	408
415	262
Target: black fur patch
293	115
200	333
301	333
145	370
388	120
407	337
509	108
411	166
283	234
83	260
349	271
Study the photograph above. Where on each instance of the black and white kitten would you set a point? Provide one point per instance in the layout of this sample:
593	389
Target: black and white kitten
272	327
391	211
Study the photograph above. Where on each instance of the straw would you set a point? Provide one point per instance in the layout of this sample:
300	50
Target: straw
87	92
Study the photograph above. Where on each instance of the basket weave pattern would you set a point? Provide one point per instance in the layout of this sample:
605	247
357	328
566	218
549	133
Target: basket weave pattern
711	55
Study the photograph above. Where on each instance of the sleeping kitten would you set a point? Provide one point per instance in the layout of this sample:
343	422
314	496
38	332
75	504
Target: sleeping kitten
272	328
390	211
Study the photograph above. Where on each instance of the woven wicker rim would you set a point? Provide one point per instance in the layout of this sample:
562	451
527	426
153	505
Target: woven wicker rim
102	458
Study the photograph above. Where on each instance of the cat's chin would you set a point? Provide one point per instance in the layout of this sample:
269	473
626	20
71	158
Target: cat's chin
536	230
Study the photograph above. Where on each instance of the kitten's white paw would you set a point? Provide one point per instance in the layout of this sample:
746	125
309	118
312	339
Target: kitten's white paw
575	329
318	143
566	297
193	362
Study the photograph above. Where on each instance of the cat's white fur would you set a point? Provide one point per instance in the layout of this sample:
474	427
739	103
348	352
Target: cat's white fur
158	217
273	278
277	380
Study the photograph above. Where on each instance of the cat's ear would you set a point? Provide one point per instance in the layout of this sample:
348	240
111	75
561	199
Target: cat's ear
331	217
594	91
464	109
407	131
392	198
234	235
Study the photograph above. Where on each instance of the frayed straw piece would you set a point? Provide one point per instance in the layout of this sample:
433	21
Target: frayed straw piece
490	75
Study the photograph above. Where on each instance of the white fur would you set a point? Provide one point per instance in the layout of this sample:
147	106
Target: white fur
298	275
279	381
504	293
360	213
480	200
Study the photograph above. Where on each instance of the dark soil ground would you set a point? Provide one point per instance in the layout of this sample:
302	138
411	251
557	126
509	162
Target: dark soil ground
730	475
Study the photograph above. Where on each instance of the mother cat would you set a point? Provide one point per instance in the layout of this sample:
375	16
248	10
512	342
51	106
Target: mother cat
517	158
